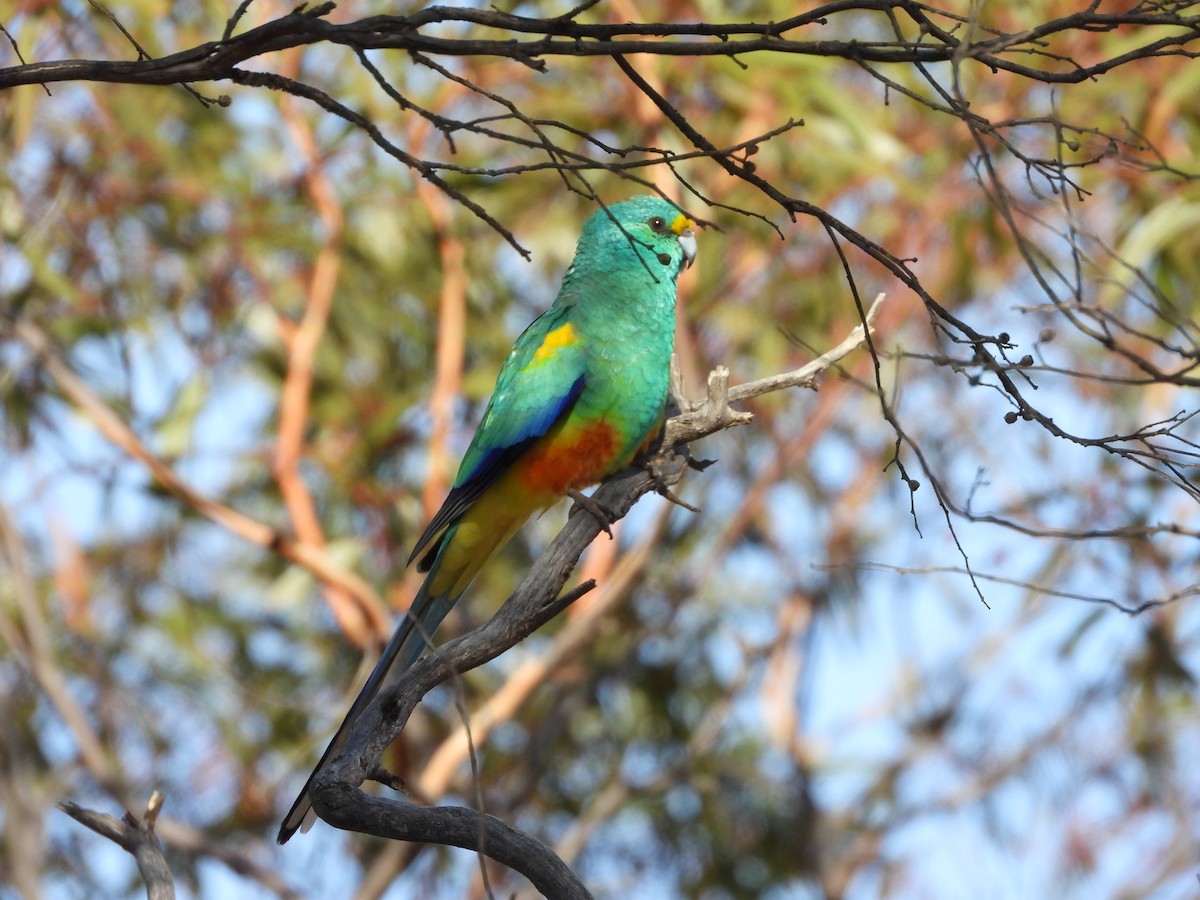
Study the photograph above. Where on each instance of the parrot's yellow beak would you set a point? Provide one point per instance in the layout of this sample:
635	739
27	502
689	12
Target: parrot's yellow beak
685	229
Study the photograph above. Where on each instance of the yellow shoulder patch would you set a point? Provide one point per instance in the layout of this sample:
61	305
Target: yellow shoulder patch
560	337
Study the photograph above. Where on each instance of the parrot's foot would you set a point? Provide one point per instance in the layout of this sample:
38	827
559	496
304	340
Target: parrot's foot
595	509
662	486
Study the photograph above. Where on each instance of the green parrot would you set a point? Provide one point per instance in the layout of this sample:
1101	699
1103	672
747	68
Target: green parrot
581	392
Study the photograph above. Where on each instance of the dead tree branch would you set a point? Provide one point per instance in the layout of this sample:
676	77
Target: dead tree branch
136	836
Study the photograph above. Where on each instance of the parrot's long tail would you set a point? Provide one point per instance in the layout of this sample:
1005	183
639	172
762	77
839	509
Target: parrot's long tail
462	553
407	644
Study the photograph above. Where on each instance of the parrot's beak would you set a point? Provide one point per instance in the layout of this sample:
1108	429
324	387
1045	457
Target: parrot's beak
685	229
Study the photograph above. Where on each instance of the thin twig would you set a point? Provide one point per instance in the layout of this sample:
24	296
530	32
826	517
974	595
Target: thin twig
137	837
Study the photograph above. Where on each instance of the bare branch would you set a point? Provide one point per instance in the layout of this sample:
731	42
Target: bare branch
347	807
137	837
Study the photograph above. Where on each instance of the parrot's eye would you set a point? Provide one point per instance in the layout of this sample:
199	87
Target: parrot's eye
658	223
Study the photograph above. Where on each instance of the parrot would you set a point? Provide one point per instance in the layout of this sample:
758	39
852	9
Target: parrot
582	391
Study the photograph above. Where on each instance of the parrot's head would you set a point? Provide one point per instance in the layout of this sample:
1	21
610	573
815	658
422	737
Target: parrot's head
647	222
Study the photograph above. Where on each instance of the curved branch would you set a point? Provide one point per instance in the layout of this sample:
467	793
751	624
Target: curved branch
348	807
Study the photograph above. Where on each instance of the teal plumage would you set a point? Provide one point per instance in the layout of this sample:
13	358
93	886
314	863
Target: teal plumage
581	392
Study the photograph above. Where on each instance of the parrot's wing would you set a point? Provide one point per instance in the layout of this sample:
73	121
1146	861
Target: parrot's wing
537	387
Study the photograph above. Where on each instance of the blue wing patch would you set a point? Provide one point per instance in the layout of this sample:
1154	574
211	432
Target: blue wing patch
490	466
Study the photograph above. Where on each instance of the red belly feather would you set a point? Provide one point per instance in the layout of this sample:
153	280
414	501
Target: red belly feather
570	459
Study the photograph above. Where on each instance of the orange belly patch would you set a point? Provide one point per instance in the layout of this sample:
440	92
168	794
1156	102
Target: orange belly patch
570	458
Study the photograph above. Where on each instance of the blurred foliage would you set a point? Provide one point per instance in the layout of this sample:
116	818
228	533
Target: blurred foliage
800	694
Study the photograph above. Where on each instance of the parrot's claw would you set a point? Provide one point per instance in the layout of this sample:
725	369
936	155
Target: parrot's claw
666	472
696	465
595	509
